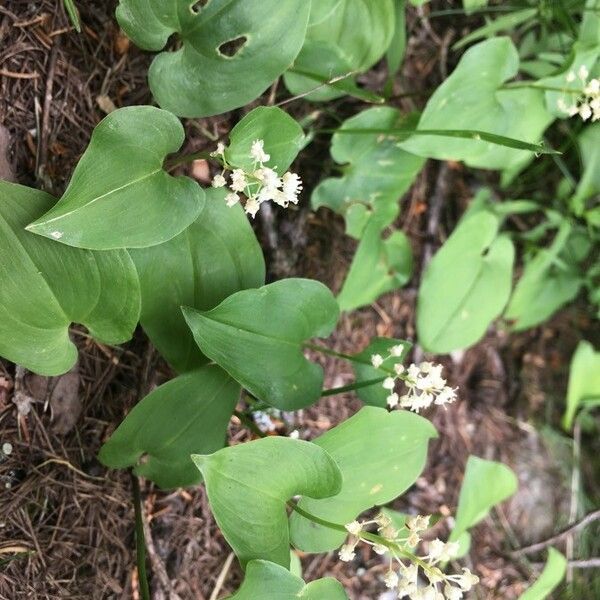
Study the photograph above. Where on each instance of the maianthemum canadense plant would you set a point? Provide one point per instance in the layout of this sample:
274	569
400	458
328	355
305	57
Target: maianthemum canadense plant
129	242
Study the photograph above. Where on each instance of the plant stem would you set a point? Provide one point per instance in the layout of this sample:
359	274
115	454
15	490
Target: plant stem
140	542
330	352
186	158
249	423
352	386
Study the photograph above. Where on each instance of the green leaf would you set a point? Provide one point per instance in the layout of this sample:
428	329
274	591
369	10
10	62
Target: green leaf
282	135
485	484
584	381
248	486
119	195
46	286
376	171
472	98
380	454
206	75
375	394
186	415
356	32
397	48
551	576
73	13
589	183
214	257
548	282
466	285
379	266
269	581
257	336
473	5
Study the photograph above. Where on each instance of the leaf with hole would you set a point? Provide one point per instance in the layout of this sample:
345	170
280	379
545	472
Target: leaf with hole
186	415
356	32
466	285
270	581
257	336
230	50
46	286
473	98
375	171
282	135
553	573
379	266
214	257
486	483
380	455
119	195
248	486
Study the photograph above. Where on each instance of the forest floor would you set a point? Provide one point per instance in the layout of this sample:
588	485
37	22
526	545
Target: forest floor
66	522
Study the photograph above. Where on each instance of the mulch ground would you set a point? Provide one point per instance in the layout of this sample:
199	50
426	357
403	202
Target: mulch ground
66	522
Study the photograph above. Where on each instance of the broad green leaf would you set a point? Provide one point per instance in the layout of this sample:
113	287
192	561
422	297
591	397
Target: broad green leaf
46	286
214	257
231	50
584	381
472	98
119	195
551	576
375	394
548	282
357	32
186	415
268	581
473	5
282	135
257	336
376	172
485	484
397	48
589	183
248	486
466	285
380	454
379	266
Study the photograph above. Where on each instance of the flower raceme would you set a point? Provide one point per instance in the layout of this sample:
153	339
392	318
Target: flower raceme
587	99
262	184
424	382
405	566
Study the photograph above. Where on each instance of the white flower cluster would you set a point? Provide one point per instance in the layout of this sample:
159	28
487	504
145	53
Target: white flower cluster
403	572
260	185
586	104
424	382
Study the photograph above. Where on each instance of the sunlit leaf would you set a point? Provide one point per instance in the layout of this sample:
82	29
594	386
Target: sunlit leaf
119	195
46	286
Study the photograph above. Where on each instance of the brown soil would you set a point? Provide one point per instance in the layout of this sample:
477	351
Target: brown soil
66	522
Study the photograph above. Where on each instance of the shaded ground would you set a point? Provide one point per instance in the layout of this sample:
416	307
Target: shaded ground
66	523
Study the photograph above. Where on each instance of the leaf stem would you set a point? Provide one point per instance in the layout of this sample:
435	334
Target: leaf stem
140	542
186	158
249	423
357	385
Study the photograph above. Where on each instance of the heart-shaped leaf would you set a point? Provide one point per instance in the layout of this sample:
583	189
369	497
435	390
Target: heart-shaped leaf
186	415
355	32
376	172
257	336
46	286
466	285
248	486
485	484
282	135
119	195
472	98
269	581
379	266
584	381
232	50
214	257
553	573
380	454
364	371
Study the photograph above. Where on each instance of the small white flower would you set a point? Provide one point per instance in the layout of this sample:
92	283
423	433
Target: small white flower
407	589
392	400
446	396
257	151
389	383
347	553
291	186
238	180
434	575
219	151
231	199
7	448
388	532
354	528
268	177
219	181
252	206
391	579
382	519
467	580
418	522
583	73
376	360
399	368
593	87
379	549
585	111
452	593
571	76
397	350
